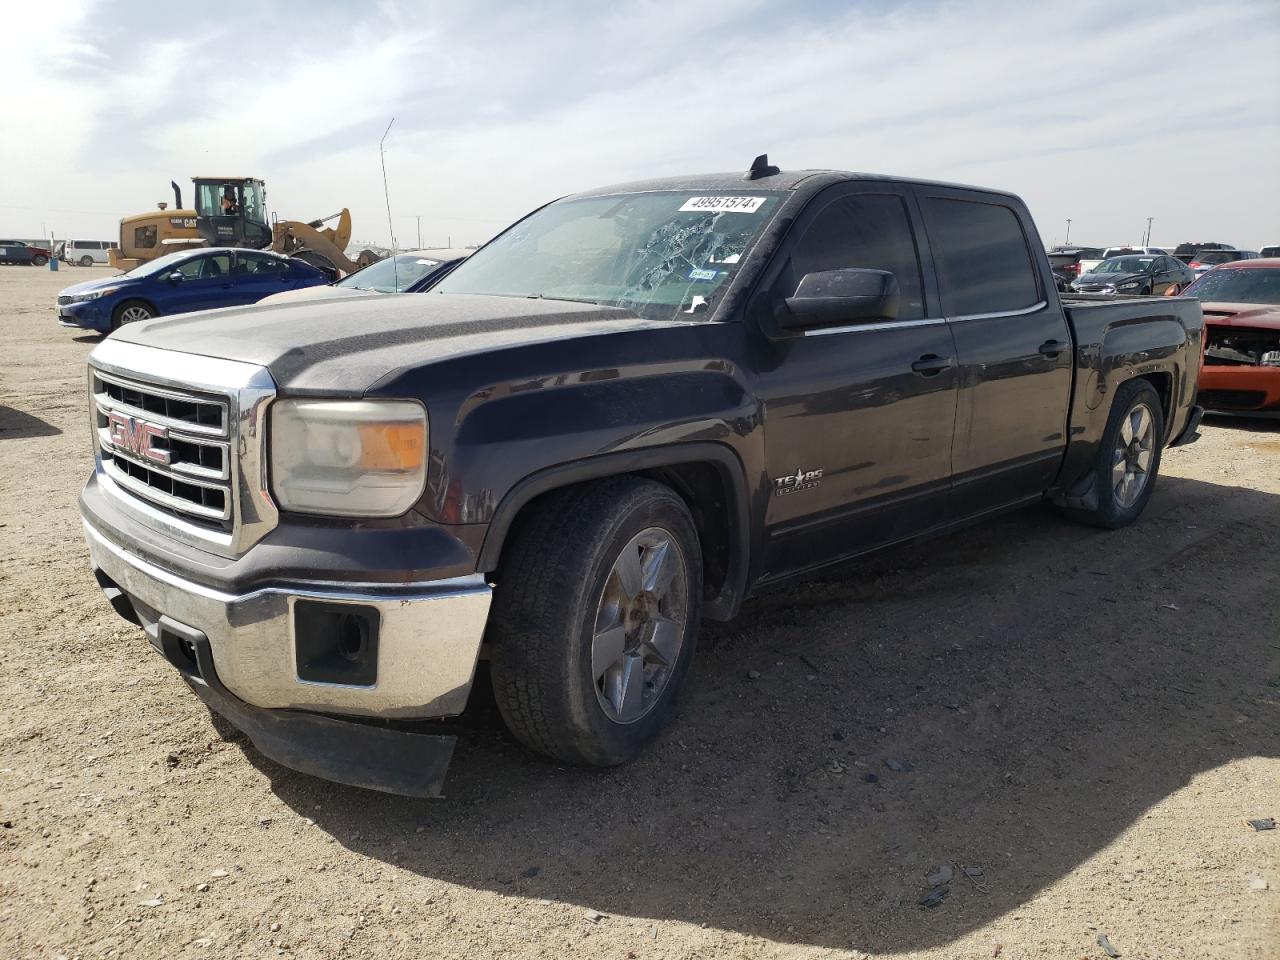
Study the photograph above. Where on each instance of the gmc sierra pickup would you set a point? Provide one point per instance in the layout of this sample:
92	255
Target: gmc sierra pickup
635	407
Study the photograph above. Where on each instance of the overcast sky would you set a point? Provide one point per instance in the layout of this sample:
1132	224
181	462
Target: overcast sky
1107	113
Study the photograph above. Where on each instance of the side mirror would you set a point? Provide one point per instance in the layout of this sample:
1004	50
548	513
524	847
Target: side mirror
175	277
853	295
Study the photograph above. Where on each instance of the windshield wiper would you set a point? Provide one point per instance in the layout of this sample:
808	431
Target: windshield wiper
543	296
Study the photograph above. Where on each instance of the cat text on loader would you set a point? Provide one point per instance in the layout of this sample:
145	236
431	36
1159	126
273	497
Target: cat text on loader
231	212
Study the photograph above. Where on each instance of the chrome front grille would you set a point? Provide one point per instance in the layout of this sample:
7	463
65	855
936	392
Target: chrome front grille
191	472
180	442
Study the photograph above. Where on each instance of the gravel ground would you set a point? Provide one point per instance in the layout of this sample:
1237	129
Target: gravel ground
1088	719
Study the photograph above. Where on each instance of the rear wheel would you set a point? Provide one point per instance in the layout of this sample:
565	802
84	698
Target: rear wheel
86	261
131	311
595	619
1128	459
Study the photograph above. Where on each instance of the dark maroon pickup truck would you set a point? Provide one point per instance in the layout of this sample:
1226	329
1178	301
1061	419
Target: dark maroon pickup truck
636	407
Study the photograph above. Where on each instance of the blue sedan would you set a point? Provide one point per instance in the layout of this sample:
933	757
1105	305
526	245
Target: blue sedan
181	282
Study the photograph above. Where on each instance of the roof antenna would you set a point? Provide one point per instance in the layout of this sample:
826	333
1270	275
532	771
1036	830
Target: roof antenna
760	168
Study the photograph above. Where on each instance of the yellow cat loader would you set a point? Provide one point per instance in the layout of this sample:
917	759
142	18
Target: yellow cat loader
231	212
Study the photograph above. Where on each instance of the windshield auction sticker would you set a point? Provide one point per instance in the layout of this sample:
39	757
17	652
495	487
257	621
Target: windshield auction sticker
723	204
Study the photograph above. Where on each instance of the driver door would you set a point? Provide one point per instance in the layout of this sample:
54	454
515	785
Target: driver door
859	418
205	283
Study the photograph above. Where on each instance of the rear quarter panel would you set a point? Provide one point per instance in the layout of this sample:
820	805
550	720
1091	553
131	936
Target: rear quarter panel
1116	340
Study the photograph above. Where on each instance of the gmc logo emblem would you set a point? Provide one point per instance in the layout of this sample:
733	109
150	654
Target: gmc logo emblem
137	437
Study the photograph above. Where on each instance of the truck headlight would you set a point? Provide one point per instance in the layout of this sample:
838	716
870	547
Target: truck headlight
350	458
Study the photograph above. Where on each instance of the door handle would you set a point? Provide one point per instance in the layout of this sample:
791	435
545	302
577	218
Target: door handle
1051	348
930	365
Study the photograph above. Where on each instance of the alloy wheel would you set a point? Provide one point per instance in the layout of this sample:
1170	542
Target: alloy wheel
640	625
1131	459
134	314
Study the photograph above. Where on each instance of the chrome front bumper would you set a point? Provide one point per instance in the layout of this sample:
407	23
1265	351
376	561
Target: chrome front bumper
429	637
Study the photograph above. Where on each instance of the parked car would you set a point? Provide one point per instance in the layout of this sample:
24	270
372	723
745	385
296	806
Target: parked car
646	403
1088	263
85	253
410	272
1269	251
1241	302
1134	275
19	251
182	282
1186	252
1064	261
1206	260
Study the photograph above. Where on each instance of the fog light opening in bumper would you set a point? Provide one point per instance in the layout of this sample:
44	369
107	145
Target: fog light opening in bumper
336	642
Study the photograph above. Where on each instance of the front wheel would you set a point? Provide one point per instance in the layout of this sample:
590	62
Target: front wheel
86	261
595	618
131	311
39	260
1128	459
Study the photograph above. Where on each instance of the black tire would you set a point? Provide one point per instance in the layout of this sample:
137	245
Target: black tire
1101	504
556	576
125	313
86	261
39	261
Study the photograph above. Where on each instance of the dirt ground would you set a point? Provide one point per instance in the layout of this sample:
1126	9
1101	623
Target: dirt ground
1086	718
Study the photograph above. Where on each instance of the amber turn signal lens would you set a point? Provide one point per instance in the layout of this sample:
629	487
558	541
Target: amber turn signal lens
391	446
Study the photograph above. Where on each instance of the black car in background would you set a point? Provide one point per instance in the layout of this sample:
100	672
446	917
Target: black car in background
1186	252
1064	260
1135	276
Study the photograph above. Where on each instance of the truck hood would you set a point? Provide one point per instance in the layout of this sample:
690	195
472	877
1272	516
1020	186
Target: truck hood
344	346
1260	315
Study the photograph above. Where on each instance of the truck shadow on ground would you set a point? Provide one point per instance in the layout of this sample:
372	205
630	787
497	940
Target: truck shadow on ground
14	424
1037	685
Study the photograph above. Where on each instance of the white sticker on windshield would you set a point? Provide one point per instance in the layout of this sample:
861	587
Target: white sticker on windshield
428	263
723	204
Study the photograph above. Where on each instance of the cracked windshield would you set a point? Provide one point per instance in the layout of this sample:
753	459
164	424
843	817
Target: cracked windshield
666	256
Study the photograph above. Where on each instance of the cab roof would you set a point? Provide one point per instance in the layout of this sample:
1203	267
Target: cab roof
809	181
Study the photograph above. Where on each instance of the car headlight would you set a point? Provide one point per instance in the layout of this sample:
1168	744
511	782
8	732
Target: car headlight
92	295
1130	285
350	458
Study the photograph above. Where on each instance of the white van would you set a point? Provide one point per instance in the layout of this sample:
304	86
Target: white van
85	252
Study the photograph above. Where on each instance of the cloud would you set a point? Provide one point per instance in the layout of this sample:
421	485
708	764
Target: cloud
1102	116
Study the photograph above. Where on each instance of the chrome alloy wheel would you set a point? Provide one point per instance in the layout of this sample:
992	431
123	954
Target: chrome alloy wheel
134	314
640	625
1131	459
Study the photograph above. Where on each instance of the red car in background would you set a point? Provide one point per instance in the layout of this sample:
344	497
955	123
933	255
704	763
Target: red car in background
19	251
1241	303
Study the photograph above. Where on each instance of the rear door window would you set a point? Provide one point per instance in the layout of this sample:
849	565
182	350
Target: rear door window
259	264
871	231
983	262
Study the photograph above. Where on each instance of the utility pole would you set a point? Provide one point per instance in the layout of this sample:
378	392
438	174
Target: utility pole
1068	237
1147	242
419	231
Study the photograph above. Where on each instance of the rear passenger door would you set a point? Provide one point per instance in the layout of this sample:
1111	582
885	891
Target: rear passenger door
258	275
1012	344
